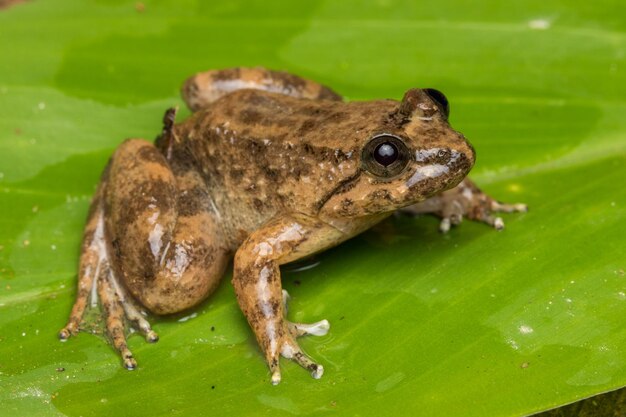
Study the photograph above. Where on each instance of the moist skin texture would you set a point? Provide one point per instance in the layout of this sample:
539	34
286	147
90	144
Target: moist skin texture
269	169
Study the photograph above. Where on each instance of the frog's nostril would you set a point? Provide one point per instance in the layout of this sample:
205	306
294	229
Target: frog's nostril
464	152
461	162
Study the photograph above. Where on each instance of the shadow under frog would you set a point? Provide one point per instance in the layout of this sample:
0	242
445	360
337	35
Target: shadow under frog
269	169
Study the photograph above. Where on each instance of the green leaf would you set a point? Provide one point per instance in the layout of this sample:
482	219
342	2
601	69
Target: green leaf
473	323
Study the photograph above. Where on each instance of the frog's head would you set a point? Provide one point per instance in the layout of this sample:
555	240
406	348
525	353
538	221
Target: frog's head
410	156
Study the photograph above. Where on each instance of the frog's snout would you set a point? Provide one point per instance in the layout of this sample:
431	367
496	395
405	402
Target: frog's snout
460	163
440	168
466	150
461	158
449	159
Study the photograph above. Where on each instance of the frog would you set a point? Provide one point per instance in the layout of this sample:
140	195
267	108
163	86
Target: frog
269	168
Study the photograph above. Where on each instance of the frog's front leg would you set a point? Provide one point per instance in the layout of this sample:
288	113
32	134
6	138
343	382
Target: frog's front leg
464	200
257	283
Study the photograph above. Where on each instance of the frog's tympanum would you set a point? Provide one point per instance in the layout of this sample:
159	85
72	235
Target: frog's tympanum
270	168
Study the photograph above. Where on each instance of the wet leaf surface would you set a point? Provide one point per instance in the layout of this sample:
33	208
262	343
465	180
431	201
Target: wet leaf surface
473	323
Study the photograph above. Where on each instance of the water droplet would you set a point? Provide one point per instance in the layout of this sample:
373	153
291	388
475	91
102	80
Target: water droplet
524	329
539	24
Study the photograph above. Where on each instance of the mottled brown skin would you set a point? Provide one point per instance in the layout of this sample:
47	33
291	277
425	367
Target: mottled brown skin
269	169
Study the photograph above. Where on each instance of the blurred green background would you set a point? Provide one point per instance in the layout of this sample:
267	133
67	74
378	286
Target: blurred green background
473	323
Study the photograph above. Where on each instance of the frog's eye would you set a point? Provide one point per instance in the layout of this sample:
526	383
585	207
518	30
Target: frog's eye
440	99
385	155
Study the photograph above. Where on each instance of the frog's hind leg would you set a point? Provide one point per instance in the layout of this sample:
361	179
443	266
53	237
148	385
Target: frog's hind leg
98	284
464	200
168	246
150	241
92	259
206	87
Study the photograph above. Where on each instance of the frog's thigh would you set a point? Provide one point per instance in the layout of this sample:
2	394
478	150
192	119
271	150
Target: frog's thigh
167	247
258	287
206	87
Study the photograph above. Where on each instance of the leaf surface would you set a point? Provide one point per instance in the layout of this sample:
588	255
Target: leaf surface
473	323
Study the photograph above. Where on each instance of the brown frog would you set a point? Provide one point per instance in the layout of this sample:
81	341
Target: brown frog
269	169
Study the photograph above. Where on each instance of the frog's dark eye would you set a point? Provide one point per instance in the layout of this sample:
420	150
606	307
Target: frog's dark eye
440	99
385	155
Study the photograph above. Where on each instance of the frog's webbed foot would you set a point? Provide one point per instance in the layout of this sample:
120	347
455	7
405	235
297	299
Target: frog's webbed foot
465	200
290	348
98	286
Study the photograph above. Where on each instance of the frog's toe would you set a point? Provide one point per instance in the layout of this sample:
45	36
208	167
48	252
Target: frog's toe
444	225
486	215
465	201
135	316
319	328
276	378
450	220
508	208
130	363
495	222
67	332
117	309
291	350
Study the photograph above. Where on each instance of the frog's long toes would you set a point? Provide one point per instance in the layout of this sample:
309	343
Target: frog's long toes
292	351
319	328
135	315
142	325
508	208
304	361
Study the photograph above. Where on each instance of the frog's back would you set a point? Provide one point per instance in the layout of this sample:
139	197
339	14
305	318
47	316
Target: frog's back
259	115
263	152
